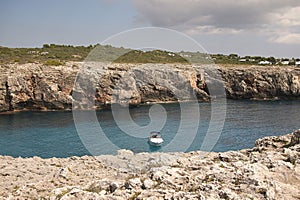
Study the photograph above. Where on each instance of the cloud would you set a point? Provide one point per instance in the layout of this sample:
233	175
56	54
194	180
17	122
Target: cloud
210	30
288	38
216	16
289	18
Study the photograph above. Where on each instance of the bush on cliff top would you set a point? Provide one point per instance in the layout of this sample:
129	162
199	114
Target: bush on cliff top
53	63
156	56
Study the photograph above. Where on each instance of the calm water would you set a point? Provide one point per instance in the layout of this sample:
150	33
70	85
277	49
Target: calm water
53	134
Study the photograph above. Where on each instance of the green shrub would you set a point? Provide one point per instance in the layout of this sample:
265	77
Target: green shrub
156	56
53	63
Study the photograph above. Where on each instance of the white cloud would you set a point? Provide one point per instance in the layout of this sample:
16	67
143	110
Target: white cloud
291	17
287	38
210	30
276	19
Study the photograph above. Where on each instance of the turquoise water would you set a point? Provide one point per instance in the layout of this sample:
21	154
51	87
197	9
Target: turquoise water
53	134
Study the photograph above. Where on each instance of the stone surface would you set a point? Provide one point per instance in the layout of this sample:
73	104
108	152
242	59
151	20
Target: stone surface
270	170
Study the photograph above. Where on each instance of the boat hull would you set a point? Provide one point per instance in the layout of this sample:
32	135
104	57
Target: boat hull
156	141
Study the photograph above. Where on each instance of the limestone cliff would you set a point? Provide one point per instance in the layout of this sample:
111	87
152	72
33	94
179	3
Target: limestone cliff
37	87
262	82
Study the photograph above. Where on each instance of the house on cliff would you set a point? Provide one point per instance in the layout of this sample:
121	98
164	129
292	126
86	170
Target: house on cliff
264	62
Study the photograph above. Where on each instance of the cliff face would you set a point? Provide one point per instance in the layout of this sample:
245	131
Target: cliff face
37	87
33	86
262	82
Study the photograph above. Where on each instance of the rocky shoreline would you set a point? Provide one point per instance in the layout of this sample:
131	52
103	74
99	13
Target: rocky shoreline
270	170
37	87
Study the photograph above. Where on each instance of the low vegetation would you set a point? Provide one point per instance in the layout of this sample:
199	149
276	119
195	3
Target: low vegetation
53	63
156	56
52	54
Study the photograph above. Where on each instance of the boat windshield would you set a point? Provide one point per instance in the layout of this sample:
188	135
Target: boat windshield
155	135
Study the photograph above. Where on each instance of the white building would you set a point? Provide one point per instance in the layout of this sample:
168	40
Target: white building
297	63
185	55
286	62
44	53
264	62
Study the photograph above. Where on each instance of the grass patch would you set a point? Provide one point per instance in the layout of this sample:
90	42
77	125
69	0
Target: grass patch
16	188
134	196
53	63
64	192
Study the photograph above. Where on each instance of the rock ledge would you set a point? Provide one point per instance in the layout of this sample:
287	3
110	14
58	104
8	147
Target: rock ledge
270	170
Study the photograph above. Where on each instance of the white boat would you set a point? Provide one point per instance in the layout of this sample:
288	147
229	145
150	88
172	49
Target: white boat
155	139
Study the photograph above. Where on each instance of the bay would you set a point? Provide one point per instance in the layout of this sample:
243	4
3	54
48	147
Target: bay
53	134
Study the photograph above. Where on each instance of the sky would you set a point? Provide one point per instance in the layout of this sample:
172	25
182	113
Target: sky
248	27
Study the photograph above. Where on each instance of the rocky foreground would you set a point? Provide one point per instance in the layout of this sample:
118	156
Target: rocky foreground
271	170
37	87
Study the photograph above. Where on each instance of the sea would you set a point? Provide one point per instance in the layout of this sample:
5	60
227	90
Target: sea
56	133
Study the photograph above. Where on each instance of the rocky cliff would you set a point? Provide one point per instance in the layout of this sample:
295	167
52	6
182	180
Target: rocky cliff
271	170
38	87
262	82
